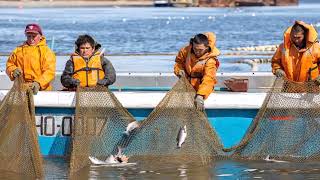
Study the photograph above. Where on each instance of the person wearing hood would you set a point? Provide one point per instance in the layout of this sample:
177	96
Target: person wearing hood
298	57
87	66
33	60
198	62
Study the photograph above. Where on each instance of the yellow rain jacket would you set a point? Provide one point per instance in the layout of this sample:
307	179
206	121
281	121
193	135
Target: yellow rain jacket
87	72
201	72
299	65
37	62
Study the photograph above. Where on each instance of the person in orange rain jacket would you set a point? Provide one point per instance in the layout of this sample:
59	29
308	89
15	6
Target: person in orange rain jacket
33	60
87	66
198	62
297	58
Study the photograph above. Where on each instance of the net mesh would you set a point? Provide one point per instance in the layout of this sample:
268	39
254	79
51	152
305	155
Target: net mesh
98	127
157	135
101	120
286	126
19	148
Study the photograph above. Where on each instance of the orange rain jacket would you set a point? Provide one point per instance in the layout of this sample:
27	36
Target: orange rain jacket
201	72
299	65
37	63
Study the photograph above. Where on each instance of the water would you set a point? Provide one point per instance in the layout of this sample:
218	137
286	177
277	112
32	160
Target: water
155	30
221	169
163	63
163	30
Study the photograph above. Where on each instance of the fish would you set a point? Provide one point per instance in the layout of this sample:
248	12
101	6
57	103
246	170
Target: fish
109	162
120	150
273	160
131	126
110	159
182	135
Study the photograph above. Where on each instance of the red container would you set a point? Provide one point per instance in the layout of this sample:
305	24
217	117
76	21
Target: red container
237	84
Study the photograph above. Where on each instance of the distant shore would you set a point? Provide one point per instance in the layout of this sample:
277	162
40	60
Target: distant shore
57	4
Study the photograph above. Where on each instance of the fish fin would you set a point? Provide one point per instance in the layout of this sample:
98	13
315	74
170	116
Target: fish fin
94	160
120	150
126	133
268	157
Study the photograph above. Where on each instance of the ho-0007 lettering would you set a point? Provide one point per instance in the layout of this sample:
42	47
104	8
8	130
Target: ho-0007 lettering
48	125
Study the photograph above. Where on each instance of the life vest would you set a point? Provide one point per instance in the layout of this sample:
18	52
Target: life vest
88	72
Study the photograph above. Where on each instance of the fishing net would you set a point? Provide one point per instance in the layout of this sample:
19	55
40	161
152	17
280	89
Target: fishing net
101	120
19	148
99	124
157	137
287	125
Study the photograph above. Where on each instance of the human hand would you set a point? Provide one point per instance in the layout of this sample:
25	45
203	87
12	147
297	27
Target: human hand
35	87
75	82
16	73
102	82
181	73
199	102
280	73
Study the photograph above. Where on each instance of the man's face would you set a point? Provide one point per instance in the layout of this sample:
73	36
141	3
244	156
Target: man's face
297	38
199	49
86	50
33	38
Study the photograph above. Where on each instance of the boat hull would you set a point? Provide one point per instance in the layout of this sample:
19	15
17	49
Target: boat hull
53	126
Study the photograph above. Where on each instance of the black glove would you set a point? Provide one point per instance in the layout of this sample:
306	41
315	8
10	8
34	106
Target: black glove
35	86
75	82
317	81
102	82
16	73
199	102
280	73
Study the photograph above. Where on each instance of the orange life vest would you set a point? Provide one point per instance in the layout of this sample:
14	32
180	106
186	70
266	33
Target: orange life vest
88	72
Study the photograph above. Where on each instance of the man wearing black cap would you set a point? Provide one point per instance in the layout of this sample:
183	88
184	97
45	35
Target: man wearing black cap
33	60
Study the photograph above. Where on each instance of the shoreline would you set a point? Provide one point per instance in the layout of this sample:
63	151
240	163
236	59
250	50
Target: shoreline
20	4
74	4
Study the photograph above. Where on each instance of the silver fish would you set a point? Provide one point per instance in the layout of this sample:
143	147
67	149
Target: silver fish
131	126
110	159
120	150
273	160
182	135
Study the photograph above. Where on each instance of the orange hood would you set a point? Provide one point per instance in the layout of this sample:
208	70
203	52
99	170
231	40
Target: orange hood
312	35
212	43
